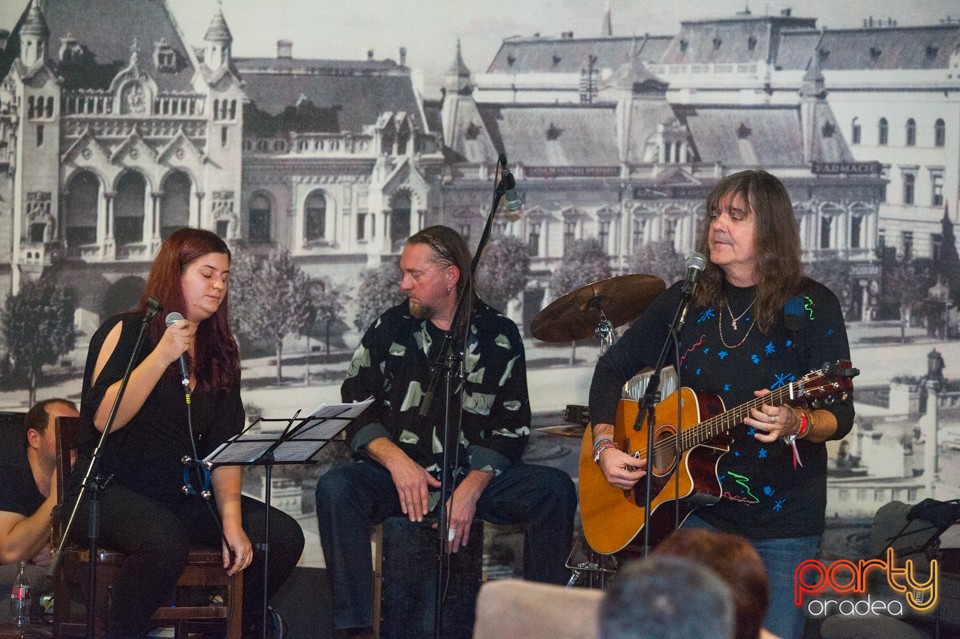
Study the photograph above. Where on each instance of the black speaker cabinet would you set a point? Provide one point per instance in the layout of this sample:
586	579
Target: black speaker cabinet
408	572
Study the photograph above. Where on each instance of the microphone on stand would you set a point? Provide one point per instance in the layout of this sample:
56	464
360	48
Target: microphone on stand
507	181
184	372
696	262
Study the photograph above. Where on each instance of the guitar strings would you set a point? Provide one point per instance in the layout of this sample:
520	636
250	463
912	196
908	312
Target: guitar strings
704	429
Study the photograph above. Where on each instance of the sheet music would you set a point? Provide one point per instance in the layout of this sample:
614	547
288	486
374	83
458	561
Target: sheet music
327	420
302	438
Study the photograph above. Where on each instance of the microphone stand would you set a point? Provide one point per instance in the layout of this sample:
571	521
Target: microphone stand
446	362
96	483
648	403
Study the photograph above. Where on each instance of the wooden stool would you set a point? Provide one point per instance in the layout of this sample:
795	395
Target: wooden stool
405	575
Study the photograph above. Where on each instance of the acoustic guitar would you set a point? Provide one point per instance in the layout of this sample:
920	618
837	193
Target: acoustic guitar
691	435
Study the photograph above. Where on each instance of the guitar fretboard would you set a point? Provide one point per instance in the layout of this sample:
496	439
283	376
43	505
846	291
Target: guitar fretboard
722	423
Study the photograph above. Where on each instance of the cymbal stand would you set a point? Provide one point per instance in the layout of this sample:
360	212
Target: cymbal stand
594	566
604	328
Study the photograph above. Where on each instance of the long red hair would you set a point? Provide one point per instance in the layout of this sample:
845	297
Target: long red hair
216	362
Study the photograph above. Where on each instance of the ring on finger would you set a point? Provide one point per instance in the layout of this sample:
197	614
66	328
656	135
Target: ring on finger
772	419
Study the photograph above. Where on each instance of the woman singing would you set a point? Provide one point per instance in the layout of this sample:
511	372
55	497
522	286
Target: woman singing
143	509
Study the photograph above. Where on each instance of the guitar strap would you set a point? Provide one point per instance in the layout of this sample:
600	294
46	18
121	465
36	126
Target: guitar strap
794	319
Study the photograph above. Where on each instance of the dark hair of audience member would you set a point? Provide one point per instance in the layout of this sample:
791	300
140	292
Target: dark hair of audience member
736	562
37	417
666	598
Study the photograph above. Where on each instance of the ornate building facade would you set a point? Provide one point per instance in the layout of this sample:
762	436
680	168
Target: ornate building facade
112	140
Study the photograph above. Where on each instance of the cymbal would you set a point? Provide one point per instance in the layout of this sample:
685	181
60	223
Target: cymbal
564	430
576	315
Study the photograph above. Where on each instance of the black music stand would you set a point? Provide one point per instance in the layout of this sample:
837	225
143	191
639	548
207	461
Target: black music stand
300	441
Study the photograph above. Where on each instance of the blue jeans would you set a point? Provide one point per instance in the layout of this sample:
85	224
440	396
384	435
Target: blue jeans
354	496
780	558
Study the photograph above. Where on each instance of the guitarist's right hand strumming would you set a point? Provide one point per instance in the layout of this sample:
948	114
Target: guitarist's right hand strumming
620	469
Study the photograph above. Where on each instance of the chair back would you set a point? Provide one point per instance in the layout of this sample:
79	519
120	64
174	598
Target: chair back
70	433
204	568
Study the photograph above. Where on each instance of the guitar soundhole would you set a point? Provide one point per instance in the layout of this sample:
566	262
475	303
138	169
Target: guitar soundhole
664	451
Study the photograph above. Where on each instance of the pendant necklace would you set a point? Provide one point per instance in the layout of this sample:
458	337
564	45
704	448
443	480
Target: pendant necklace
738	344
734	320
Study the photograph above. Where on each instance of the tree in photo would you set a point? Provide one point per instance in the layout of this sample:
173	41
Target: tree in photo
38	329
660	259
378	290
330	302
270	299
948	261
905	287
503	272
584	262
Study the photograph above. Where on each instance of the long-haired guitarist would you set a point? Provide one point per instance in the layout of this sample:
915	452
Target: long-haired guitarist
755	324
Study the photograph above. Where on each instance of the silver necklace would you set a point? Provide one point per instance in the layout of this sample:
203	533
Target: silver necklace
734	320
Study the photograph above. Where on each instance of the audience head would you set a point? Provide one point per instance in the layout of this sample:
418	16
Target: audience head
40	434
735	561
666	598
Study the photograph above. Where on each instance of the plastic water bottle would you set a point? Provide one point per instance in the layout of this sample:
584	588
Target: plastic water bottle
20	598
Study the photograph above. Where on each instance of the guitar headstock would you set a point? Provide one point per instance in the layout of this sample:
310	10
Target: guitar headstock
832	379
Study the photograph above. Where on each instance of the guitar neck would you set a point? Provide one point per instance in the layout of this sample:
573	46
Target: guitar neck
722	423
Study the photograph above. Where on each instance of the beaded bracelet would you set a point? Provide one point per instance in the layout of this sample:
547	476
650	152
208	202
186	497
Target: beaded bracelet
802	431
791	440
811	423
601	445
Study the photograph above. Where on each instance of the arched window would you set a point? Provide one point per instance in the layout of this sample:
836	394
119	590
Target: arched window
856	230
174	203
533	239
315	217
128	208
400	209
259	220
855	131
826	228
911	132
403	138
883	132
83	197
909	187
939	133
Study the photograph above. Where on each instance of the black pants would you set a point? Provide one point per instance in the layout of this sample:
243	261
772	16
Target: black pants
353	497
157	538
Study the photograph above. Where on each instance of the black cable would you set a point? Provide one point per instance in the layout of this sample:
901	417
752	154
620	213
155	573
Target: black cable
199	470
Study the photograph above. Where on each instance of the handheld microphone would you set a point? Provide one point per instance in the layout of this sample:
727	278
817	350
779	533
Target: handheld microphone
510	187
184	372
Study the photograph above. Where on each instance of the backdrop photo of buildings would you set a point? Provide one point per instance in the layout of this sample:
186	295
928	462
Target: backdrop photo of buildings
117	128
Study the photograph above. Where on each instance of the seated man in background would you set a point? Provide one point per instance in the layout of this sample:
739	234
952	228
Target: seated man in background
666	598
28	493
399	452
